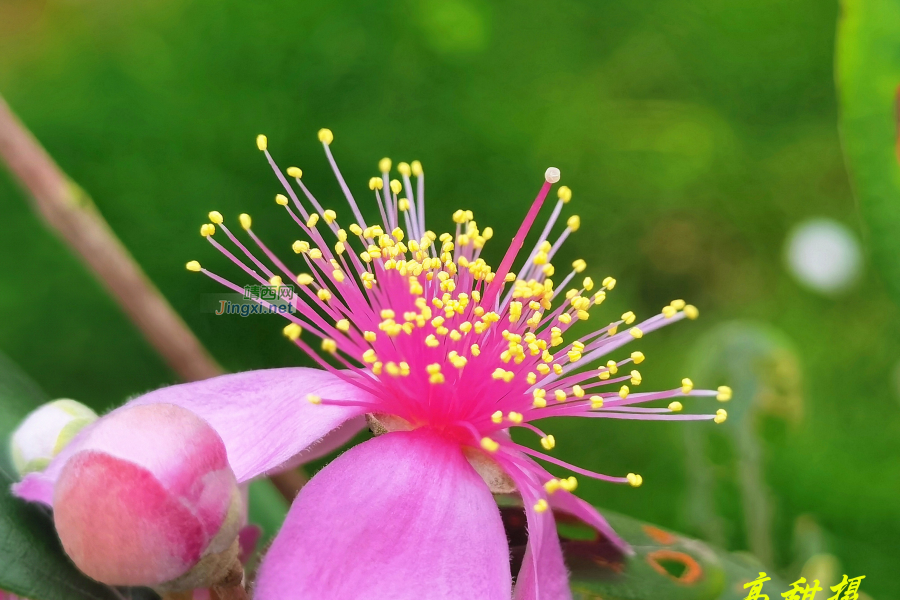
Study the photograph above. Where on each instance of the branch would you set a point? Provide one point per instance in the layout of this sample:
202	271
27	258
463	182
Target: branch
68	210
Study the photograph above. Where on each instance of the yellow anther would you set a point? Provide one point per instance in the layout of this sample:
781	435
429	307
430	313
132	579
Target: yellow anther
433	368
384	165
369	336
193	266
515	417
541	506
338	275
315	254
636	333
475	350
637	357
216	217
489	444
578	391
559	395
636	378
724	393
329	345
312	220
431	341
628	318
387	314
339	248
304	279
313	399
292	331
416	168
552	485
691	312
207	229
396	186
369	356
398	234
564	193
596	402
329	216
599	297
403	205
281	199
721	415
548	442
675	406
569	484
276	281
299	247
677	304
634	480
245	220
579	266
324	295
609	283
669	312
612	366
565	318
497	417
588	284
262	142
557	368
623	392
325	136
574	222
375	183
686	386
539	403
343	325
403	169
294	172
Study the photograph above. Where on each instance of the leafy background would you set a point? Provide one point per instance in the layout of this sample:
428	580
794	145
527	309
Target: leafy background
694	133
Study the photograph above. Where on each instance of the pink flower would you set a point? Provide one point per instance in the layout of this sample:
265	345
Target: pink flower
444	355
146	497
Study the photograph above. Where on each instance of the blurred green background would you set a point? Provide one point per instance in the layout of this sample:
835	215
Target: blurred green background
694	134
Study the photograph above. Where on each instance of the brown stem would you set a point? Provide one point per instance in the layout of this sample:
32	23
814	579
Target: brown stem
289	483
236	592
69	210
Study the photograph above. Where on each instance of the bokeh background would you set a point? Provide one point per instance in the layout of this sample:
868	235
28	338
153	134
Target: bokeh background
696	135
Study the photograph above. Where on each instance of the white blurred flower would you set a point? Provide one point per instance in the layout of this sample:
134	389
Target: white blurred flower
46	431
824	255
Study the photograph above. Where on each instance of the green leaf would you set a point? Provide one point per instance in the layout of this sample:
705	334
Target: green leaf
868	77
267	508
32	562
665	565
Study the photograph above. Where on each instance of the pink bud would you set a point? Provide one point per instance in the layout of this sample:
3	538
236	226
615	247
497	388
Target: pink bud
149	499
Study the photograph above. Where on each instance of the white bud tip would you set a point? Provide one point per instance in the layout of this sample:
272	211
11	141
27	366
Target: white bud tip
552	175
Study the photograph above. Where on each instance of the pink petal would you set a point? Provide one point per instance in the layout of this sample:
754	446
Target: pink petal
400	517
269	405
245	408
543	575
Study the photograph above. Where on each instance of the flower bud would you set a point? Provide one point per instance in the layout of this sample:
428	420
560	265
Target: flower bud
46	431
148	498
